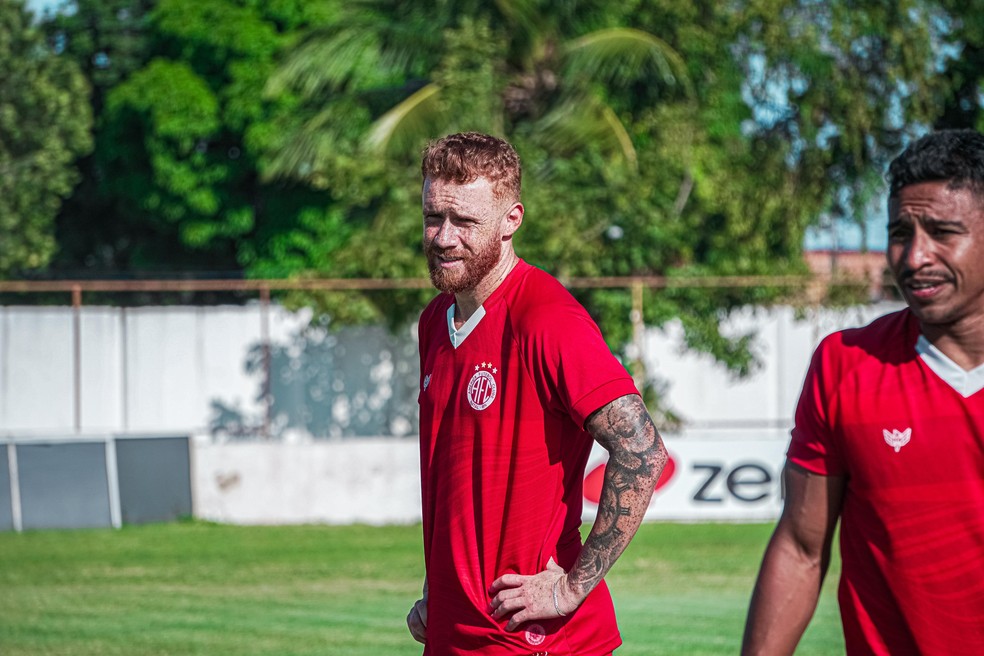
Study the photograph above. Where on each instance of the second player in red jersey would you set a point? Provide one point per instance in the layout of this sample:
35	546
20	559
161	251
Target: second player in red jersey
889	439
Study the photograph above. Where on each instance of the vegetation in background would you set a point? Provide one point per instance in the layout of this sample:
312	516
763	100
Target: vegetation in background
281	139
182	124
45	123
658	138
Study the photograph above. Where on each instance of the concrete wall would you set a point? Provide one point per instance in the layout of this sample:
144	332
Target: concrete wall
199	371
193	370
376	481
373	480
713	402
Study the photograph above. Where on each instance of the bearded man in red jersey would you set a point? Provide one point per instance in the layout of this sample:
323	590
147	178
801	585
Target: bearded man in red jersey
516	384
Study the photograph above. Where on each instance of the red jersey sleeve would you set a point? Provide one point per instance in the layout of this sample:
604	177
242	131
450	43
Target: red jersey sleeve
575	370
813	445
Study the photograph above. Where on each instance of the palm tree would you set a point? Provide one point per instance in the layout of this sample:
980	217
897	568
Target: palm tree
386	76
416	69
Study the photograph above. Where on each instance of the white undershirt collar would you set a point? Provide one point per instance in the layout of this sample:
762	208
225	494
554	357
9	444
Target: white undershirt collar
965	382
458	335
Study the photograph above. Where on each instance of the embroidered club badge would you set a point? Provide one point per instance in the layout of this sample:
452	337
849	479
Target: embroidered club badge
482	388
896	438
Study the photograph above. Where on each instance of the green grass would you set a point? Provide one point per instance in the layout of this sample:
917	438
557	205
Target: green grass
196	588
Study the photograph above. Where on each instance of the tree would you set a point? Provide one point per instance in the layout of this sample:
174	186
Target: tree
173	182
962	64
635	157
658	137
44	126
846	85
108	40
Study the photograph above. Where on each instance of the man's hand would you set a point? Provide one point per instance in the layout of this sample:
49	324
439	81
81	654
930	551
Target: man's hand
417	619
532	597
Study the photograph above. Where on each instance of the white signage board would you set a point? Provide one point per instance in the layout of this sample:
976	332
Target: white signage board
378	481
707	480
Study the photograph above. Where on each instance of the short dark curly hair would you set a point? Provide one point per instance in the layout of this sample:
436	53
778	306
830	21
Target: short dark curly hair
954	156
461	158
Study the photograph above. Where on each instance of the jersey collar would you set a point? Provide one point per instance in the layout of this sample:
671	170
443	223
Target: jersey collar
967	383
458	335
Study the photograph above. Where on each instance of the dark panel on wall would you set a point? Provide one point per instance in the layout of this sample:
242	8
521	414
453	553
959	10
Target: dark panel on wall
63	485
6	511
155	479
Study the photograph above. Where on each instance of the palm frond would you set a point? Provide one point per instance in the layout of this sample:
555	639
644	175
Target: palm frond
582	122
328	60
620	134
522	14
622	55
366	47
309	152
407	124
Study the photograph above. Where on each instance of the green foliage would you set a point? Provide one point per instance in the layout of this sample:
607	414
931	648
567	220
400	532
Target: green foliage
107	38
167	173
658	138
175	181
634	157
45	124
963	67
850	83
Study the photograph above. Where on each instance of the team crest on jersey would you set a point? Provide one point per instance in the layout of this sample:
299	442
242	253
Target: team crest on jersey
482	387
535	634
896	438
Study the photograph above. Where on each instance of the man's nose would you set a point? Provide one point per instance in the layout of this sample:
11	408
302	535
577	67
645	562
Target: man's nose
919	251
446	235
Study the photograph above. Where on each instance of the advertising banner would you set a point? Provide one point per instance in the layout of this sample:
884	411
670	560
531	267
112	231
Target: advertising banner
727	478
707	480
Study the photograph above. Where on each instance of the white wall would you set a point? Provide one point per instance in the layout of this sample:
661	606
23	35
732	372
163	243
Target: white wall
711	400
152	369
166	370
373	481
36	369
173	369
376	481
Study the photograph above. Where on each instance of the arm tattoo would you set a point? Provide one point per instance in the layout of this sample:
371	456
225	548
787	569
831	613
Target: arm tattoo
636	458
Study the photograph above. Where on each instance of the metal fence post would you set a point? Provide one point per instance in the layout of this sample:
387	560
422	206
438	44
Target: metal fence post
77	354
265	339
638	335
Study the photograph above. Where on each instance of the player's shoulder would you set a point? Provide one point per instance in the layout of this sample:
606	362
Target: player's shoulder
538	298
535	287
889	338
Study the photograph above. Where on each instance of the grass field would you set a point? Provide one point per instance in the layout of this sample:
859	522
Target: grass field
196	588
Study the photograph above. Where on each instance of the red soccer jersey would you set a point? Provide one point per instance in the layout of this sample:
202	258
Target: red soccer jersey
502	461
912	525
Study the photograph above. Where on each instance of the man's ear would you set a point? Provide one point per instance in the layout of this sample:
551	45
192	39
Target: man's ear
512	220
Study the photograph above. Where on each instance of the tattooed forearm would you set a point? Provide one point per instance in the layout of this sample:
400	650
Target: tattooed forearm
636	458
